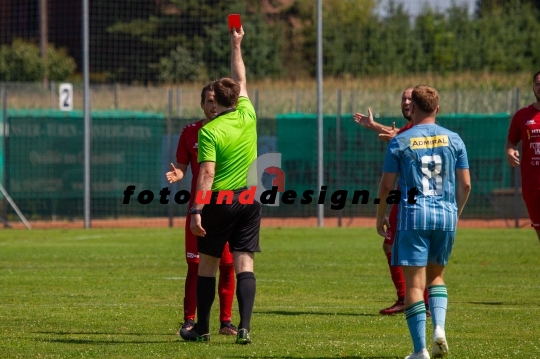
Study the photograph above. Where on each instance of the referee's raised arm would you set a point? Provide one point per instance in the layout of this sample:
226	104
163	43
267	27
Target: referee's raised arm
238	69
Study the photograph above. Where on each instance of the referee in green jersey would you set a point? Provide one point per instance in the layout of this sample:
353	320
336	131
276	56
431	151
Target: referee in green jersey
227	147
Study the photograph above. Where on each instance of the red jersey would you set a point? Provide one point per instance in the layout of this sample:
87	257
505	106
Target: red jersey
187	152
525	127
406	127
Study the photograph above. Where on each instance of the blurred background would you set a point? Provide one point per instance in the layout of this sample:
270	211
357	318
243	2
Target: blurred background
149	59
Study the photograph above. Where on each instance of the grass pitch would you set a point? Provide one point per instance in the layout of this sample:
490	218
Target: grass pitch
118	294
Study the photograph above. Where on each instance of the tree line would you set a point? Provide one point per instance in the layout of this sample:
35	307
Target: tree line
501	36
174	41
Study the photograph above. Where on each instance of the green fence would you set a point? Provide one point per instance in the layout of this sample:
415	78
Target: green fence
45	151
362	156
44	161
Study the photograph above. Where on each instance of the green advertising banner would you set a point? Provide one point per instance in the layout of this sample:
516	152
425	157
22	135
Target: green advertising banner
45	153
362	153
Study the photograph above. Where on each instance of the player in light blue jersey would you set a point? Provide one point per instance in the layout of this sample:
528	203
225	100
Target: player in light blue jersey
426	157
434	180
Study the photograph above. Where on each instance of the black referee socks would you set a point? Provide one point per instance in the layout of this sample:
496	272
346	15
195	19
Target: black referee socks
245	294
206	292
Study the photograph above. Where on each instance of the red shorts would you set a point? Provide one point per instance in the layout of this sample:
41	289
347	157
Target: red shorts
391	232
192	253
532	200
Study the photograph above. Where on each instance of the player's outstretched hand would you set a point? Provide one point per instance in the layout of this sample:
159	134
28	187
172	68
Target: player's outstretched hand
174	175
382	226
196	225
512	156
236	36
363	120
387	135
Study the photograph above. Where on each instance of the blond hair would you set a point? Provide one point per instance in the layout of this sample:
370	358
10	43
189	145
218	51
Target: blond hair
425	98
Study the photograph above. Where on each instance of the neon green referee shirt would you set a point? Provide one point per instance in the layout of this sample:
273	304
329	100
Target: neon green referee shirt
230	140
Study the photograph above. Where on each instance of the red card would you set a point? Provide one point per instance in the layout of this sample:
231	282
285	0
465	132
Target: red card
234	21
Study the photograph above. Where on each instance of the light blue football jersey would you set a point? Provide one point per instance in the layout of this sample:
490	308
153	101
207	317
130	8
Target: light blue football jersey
426	157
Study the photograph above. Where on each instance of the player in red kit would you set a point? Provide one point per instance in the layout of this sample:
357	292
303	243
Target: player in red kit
386	133
186	154
525	127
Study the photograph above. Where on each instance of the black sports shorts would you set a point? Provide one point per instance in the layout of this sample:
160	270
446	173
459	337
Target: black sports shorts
236	223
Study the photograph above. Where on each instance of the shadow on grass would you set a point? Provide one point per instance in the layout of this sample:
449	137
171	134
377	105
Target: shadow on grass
99	341
98	333
491	303
287	312
170	337
509	304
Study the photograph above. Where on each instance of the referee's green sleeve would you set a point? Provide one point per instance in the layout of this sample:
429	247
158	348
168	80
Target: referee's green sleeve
206	147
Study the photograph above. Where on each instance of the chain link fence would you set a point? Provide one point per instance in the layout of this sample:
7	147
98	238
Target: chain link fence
150	59
43	149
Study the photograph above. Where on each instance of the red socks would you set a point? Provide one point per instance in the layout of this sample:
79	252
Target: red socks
397	277
225	292
190	291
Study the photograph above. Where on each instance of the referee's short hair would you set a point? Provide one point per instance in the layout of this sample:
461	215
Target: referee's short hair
226	92
535	76
426	98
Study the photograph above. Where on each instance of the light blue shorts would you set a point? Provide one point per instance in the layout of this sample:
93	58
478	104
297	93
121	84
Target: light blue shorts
417	247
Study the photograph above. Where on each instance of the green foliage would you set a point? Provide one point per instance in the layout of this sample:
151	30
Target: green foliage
181	66
359	42
438	42
116	54
509	38
187	40
59	64
137	27
486	6
397	50
343	44
188	44
346	29
261	46
21	61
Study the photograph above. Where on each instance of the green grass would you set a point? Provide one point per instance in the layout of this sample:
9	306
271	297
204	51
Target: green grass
118	294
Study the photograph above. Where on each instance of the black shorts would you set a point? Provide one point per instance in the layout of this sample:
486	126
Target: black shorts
235	223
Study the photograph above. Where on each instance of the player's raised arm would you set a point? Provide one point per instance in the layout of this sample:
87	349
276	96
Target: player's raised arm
367	121
238	69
